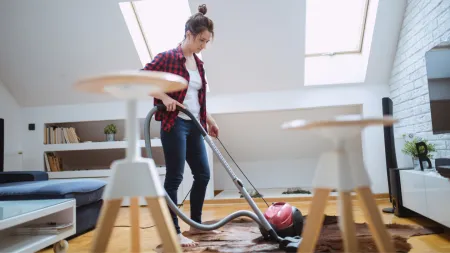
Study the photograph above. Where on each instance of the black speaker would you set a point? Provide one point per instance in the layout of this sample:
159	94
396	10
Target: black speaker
396	194
389	146
393	172
2	145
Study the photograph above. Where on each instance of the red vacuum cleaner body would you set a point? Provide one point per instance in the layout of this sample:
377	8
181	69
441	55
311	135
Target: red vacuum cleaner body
285	219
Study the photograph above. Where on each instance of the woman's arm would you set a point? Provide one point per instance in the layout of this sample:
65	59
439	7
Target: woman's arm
157	64
213	129
160	95
210	120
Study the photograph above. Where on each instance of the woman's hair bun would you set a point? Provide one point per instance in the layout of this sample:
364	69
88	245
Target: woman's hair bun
202	9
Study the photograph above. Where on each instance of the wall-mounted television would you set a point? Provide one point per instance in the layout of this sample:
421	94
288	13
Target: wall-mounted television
438	74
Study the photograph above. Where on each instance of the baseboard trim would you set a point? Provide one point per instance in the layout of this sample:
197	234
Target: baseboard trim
281	199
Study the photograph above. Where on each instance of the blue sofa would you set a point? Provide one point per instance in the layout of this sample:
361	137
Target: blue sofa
30	185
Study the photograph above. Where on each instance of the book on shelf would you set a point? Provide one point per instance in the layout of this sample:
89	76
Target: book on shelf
50	228
52	162
60	135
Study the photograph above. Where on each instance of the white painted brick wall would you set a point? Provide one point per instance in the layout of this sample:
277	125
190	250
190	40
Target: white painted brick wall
425	24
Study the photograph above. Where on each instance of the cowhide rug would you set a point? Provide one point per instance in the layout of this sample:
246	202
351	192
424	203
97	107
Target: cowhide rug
243	235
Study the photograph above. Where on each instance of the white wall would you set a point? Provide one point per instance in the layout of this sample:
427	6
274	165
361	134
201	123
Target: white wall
296	171
425	24
10	112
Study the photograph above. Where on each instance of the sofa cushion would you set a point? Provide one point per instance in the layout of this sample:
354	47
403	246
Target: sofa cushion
84	191
18	176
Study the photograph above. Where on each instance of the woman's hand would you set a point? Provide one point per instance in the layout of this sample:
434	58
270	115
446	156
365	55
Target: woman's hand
213	130
171	104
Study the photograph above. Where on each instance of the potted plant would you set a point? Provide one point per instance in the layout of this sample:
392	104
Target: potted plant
410	149
110	131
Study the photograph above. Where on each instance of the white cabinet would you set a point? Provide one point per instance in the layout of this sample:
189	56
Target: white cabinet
427	193
414	191
438	198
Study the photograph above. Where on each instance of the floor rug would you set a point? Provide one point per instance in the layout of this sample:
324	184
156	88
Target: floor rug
243	235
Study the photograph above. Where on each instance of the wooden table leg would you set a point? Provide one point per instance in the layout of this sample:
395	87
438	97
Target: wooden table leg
348	225
381	236
164	224
105	224
135	227
314	221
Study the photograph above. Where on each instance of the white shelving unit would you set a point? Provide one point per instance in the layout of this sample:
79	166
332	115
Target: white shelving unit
90	173
96	145
92	156
79	149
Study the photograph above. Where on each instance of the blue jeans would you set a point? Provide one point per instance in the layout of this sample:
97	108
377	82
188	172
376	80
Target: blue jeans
184	142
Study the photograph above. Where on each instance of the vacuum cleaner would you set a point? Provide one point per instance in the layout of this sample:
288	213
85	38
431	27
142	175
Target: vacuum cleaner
281	223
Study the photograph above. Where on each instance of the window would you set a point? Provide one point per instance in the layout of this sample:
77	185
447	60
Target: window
335	27
135	30
154	29
162	29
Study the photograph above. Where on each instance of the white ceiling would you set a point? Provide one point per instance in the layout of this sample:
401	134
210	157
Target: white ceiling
46	45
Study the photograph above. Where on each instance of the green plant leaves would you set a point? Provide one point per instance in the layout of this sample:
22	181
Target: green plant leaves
410	147
110	129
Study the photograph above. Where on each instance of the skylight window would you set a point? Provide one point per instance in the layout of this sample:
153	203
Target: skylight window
135	30
153	29
335	27
162	29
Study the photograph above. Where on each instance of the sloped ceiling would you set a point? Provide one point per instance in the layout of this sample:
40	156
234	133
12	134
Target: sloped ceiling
46	45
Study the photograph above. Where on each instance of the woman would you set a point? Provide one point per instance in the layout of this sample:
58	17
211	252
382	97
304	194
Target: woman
181	140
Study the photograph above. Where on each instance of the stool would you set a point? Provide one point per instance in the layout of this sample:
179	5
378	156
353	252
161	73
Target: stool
342	169
134	176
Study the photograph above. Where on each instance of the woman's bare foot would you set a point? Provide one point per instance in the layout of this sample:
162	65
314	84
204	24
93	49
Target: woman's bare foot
195	231
186	242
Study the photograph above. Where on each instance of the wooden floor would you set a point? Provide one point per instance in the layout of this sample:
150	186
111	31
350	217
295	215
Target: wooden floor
120	241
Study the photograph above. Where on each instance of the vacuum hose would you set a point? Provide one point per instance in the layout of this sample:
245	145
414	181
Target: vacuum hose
172	206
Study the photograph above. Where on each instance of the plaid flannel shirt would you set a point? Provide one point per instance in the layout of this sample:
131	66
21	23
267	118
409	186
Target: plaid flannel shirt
173	61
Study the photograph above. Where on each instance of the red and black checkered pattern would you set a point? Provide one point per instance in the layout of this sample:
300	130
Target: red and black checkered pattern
173	61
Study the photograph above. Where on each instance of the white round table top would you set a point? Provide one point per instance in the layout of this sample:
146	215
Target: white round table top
339	121
133	83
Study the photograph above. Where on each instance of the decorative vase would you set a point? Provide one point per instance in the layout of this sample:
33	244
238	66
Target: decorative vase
416	164
110	137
